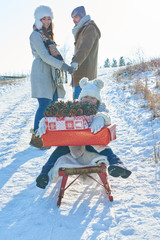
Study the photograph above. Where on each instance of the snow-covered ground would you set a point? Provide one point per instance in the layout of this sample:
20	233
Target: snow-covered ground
30	213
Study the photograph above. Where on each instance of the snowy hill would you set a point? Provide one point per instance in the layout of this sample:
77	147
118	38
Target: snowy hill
30	213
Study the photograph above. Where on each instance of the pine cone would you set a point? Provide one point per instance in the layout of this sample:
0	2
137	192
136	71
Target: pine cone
72	113
79	112
69	108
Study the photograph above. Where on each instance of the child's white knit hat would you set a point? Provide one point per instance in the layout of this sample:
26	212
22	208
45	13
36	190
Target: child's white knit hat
40	12
91	88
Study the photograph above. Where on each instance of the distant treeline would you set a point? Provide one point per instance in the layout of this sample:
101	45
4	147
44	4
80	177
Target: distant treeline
114	62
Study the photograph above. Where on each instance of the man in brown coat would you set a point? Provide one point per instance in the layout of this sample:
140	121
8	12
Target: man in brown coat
86	34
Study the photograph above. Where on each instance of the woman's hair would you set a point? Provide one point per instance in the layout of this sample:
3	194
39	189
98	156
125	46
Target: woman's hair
49	32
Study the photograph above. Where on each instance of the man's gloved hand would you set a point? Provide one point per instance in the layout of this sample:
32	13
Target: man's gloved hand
97	124
74	65
66	67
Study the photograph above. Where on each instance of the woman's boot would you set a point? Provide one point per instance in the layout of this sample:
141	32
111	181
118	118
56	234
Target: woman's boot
36	141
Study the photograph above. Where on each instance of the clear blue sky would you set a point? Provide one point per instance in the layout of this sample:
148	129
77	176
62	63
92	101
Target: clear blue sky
126	26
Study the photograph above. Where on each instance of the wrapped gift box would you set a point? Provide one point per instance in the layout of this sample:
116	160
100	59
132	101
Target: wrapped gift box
79	137
68	123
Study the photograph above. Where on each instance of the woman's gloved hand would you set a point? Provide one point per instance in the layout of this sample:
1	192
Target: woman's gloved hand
97	124
66	67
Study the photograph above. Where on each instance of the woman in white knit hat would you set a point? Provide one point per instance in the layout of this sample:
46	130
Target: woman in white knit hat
90	93
46	67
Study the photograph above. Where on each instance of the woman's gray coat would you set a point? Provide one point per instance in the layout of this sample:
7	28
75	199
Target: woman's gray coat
43	68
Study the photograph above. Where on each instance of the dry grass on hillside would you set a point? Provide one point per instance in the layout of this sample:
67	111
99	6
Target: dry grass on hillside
157	153
153	99
136	69
140	86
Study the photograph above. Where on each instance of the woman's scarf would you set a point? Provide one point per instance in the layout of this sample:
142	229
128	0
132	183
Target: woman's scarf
50	45
59	74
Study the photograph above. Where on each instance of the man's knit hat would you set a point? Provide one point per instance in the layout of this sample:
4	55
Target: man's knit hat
79	11
40	12
91	88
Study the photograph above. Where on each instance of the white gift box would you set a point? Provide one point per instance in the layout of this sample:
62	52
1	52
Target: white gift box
68	123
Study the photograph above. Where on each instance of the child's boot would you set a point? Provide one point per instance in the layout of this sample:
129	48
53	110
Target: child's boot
119	170
42	181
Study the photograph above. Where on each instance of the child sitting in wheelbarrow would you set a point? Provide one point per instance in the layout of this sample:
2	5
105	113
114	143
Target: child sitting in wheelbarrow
90	93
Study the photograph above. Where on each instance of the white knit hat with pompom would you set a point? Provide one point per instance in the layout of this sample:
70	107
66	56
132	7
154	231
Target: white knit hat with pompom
40	12
91	88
